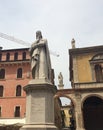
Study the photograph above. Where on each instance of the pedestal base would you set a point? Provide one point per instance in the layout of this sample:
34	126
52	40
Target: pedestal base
39	105
38	127
80	129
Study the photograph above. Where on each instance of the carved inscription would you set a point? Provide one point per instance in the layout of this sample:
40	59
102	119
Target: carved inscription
37	109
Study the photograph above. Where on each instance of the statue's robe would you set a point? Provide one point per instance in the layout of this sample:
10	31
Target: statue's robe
40	60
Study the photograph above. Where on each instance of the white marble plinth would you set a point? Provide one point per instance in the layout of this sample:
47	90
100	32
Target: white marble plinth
39	127
39	105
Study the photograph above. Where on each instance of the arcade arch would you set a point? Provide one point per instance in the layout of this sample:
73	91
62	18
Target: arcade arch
67	110
66	96
92	107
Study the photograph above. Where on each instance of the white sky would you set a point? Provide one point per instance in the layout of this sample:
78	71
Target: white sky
59	21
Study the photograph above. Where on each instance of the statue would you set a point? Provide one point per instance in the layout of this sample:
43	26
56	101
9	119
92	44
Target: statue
40	58
60	78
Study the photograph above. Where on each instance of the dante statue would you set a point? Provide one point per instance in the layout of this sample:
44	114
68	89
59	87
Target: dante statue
60	78
40	58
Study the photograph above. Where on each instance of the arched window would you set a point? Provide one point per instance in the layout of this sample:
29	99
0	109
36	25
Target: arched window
18	90
1	91
97	67
0	57
17	111
16	56
98	73
7	56
19	73
24	55
2	73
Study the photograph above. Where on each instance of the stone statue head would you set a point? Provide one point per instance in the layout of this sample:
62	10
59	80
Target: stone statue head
38	35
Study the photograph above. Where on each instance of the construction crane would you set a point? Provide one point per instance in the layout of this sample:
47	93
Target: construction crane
13	39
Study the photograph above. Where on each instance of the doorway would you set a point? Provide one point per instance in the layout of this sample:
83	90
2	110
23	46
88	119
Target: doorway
93	113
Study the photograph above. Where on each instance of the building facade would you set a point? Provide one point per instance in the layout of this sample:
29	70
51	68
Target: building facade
66	115
86	76
14	75
86	94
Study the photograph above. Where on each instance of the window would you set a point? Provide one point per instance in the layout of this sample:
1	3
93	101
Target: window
98	73
2	73
17	111
97	67
18	90
19	73
0	111
0	57
1	91
24	55
16	56
7	56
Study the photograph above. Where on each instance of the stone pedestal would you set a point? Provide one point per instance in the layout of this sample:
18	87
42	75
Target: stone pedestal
39	106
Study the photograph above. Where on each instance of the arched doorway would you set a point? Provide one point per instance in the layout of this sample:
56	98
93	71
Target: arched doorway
93	113
67	113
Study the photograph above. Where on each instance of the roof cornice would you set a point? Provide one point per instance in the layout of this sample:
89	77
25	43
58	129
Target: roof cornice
86	50
17	49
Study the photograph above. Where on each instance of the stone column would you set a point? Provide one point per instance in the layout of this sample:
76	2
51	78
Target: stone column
39	106
93	72
79	114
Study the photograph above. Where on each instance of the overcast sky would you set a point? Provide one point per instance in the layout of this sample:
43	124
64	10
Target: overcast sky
59	21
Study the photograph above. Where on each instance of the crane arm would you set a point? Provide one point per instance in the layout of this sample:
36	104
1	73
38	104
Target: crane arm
13	39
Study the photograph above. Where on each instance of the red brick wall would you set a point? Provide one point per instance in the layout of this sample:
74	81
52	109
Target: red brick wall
9	100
